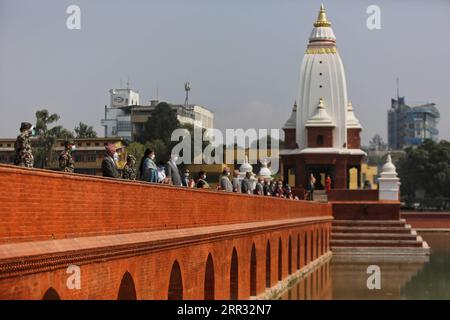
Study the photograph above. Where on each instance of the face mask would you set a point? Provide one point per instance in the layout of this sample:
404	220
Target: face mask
175	158
116	157
73	148
228	174
186	174
152	156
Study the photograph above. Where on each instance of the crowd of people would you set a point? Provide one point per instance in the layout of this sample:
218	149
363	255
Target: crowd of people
164	173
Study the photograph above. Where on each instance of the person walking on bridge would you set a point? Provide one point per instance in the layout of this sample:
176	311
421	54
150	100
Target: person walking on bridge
129	171
66	162
225	183
109	166
22	146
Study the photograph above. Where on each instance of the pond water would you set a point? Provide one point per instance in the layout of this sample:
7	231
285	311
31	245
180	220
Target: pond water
401	278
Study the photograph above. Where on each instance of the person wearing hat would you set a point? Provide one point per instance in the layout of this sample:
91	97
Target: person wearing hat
129	172
224	182
109	167
22	146
66	162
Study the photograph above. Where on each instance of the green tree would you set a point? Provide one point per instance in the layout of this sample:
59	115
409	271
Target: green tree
136	149
85	131
160	125
426	167
46	137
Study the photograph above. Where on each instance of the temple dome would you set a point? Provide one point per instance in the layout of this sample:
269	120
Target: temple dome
265	172
321	118
246	166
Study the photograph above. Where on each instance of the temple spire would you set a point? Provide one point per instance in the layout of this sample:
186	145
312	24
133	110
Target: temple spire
322	20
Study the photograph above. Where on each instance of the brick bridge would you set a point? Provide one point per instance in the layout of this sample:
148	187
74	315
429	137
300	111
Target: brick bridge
134	240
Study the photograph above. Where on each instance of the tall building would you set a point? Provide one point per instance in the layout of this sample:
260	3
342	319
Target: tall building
411	125
322	135
125	117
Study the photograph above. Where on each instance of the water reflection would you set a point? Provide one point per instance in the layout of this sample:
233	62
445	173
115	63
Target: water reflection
401	278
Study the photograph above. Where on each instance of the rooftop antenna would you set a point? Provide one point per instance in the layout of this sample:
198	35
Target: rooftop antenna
187	88
120	83
398	88
128	83
157	93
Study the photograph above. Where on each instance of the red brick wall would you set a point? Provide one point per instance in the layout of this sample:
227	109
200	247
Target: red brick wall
290	139
353	138
39	205
366	210
352	195
427	220
314	132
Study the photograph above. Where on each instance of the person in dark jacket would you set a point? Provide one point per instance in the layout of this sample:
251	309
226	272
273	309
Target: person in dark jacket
109	167
245	184
201	182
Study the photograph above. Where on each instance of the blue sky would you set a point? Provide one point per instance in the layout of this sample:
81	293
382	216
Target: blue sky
241	57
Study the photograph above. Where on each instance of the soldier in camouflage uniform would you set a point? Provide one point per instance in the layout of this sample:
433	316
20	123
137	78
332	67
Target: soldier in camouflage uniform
66	162
22	146
129	172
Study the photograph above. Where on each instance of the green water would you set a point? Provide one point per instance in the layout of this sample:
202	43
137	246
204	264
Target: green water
401	278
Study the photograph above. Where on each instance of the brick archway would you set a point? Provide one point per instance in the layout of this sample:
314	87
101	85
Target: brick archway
234	276
268	264
209	286
280	260
127	290
253	271
290	255
175	291
51	294
298	251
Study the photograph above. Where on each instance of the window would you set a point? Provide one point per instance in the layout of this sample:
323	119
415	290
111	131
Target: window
319	140
88	144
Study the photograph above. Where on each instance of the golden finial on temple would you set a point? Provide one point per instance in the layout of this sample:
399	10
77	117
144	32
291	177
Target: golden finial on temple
322	20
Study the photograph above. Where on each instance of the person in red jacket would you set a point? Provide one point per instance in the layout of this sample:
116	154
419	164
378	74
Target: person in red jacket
328	183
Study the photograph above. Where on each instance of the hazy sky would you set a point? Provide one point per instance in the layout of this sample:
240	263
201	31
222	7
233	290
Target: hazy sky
242	57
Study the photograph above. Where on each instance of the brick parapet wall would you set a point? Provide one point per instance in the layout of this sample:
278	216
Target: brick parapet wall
42	205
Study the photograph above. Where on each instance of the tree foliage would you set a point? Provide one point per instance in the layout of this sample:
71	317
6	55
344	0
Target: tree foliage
160	125
426	167
46	137
85	131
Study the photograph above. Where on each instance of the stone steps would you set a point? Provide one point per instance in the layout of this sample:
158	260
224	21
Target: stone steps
374	236
376	243
366	237
369	223
383	229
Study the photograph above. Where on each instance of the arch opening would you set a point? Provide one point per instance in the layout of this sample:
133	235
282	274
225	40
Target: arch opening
209	279
175	291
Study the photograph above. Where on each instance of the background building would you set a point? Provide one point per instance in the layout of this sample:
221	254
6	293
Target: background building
126	117
411	125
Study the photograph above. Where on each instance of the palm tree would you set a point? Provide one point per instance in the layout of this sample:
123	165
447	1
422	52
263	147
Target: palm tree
47	137
85	131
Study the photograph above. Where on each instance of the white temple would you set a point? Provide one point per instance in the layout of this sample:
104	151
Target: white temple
326	135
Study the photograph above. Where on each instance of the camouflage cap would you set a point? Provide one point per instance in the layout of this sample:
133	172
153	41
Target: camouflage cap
25	126
131	157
